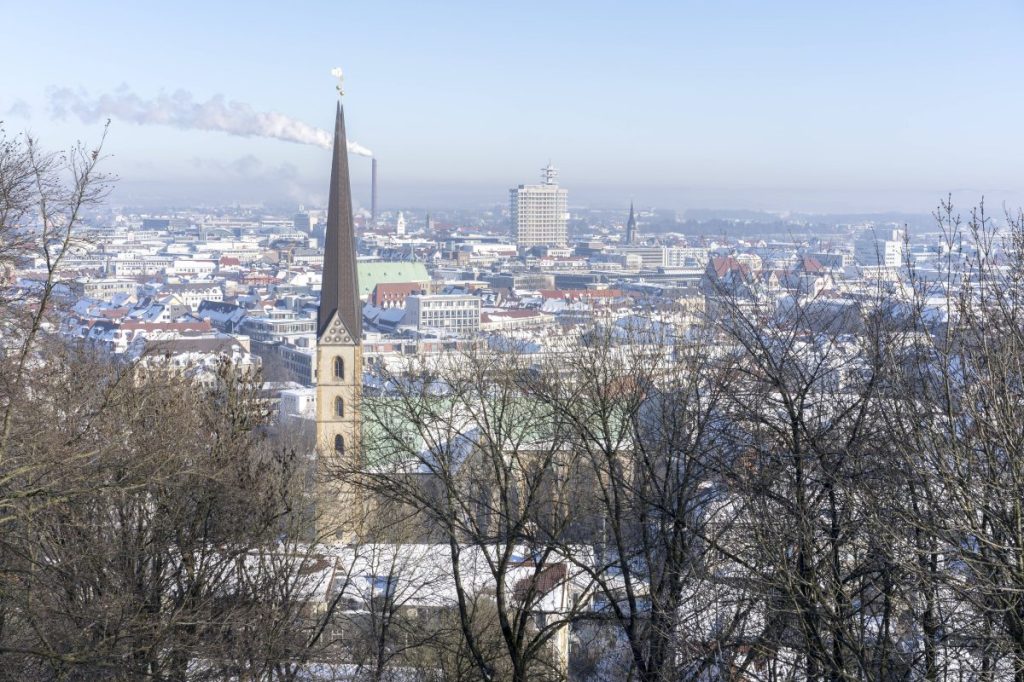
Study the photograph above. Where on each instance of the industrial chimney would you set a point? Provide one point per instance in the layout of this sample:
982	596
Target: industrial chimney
373	191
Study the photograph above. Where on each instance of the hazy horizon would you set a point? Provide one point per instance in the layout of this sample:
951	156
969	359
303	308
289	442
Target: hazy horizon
281	191
788	107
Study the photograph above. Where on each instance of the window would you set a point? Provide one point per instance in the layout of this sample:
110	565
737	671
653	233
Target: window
383	585
339	406
339	368
339	444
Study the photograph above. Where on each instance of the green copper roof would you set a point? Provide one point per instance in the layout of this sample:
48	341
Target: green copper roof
396	430
373	273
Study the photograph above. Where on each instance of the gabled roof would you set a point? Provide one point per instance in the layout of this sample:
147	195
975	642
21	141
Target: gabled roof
396	288
811	264
722	266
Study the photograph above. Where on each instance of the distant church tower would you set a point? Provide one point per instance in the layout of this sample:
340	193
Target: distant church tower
339	355
632	236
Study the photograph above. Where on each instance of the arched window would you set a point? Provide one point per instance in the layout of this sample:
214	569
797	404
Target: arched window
339	444
339	368
339	406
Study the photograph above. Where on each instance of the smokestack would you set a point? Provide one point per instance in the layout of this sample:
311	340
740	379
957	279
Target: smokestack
181	110
373	191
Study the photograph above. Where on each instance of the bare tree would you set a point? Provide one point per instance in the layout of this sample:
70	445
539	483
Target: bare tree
150	527
809	465
961	434
641	412
43	198
480	463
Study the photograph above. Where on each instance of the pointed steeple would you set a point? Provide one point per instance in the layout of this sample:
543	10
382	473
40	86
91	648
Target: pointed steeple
631	233
340	287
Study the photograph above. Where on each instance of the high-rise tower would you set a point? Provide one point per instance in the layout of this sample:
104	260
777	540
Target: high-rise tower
632	236
339	358
539	212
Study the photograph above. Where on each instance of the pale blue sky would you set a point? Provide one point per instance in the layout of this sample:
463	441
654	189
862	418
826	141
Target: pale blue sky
784	105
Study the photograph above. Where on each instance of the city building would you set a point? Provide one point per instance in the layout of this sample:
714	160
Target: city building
880	248
225	317
384	272
539	212
275	327
192	295
686	257
393	294
102	289
301	222
198	357
298	403
442	314
648	256
296	359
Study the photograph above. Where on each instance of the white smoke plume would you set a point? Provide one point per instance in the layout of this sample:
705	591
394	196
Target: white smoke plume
180	110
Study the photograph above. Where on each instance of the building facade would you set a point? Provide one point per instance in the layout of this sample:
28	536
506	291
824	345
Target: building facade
103	289
882	248
540	212
443	314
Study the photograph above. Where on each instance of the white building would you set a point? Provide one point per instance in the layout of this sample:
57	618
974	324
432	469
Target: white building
198	357
298	403
539	212
195	293
192	268
650	256
102	289
278	326
442	313
133	265
883	248
686	256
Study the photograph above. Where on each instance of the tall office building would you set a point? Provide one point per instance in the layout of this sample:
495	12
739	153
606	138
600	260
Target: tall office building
301	222
339	357
539	212
881	248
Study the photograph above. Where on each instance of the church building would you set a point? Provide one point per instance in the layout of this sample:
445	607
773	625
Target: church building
339	361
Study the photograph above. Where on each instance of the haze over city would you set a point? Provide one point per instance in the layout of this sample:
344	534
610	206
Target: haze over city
803	106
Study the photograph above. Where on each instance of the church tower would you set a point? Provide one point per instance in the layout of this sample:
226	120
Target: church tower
632	236
339	356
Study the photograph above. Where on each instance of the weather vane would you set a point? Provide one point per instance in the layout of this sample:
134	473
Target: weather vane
336	72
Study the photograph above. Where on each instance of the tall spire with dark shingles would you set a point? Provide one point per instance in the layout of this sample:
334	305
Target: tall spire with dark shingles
631	234
340	286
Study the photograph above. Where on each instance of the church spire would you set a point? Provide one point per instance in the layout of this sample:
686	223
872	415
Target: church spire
339	289
339	353
631	234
